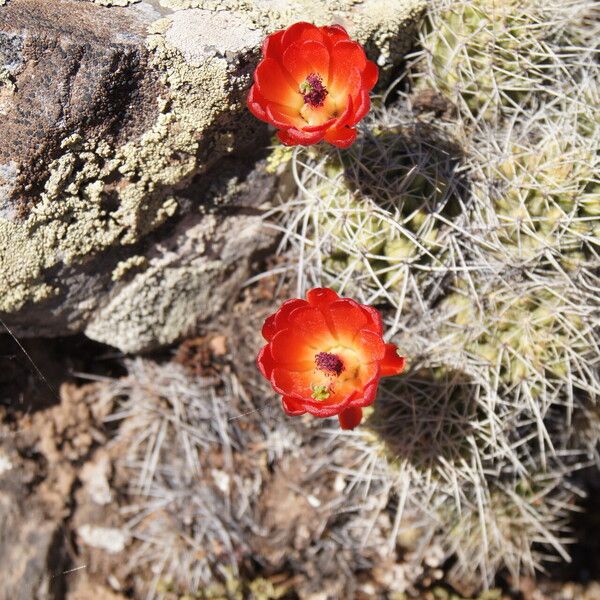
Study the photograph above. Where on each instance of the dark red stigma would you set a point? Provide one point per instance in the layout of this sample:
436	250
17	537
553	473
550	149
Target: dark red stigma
330	363
313	91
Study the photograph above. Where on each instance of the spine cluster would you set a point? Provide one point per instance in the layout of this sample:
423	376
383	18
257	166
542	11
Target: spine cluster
470	209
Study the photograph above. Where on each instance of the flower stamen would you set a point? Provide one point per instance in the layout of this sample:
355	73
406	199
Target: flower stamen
313	91
329	363
320	392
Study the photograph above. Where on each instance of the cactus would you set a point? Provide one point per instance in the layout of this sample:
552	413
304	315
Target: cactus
381	211
485	252
475	488
542	196
529	337
517	525
492	58
435	419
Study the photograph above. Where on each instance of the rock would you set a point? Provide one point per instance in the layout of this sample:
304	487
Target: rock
193	271
32	553
114	220
29	551
95	476
109	539
6	463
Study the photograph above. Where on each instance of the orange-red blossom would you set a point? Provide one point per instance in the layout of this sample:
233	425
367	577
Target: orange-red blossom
313	84
325	355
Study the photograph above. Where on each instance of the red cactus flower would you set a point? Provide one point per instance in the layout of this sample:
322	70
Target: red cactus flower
313	84
325	355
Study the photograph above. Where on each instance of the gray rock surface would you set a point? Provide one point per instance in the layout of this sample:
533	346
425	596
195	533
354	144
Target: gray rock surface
30	539
28	546
128	161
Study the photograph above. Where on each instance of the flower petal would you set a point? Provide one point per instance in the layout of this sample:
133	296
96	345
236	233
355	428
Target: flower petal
283	116
349	52
370	75
303	58
375	317
292	407
275	85
344	80
309	322
301	32
321	296
281	316
323	127
291	348
295	137
333	34
371	344
368	395
350	417
265	363
269	329
345	317
392	363
256	104
278	320
361	107
342	138
271	47
346	116
291	383
369	373
324	409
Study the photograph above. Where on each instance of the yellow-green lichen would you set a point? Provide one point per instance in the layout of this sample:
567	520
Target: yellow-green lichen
22	266
126	266
80	213
6	79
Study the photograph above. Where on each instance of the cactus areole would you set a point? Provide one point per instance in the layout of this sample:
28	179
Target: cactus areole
325	355
313	84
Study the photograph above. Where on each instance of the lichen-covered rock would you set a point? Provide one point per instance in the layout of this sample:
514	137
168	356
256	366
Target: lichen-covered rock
113	114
